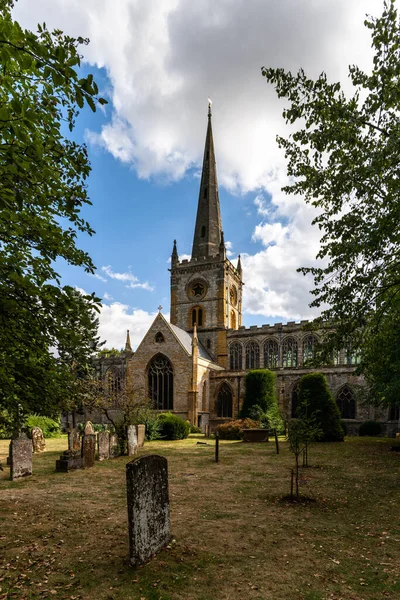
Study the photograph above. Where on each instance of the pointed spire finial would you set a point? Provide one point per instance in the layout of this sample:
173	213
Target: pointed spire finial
239	265
209	108
174	255
128	347
222	249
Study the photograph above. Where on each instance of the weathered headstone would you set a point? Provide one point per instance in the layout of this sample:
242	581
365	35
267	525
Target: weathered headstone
69	461
103	445
21	458
38	441
141	432
74	440
88	450
132	440
89	428
114	446
148	506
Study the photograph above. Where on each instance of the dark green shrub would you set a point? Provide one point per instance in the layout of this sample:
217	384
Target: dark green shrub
315	399
195	429
260	391
370	428
50	427
6	425
344	427
173	427
233	430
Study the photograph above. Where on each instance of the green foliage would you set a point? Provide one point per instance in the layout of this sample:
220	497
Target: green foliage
301	433
343	158
173	427
260	391
195	429
108	352
50	427
370	428
316	400
344	427
148	417
6	425
43	188
233	430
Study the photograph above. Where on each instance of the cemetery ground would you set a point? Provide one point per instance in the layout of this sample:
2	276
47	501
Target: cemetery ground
65	535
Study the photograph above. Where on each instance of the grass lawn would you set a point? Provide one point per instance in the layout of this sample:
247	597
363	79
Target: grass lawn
64	535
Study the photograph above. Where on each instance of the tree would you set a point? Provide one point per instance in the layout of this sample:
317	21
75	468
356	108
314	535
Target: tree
42	190
316	401
301	432
343	158
260	392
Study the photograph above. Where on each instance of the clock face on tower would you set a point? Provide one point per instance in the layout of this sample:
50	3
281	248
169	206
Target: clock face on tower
197	290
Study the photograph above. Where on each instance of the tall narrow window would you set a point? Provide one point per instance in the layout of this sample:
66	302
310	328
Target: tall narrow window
353	357
271	354
346	402
205	192
203	231
224	401
289	353
309	348
235	357
114	384
252	355
161	383
233	319
394	413
197	316
295	399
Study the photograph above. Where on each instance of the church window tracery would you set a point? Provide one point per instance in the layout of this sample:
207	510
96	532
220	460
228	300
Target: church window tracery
235	357
114	383
309	345
224	401
271	354
252	355
289	353
159	338
161	382
346	402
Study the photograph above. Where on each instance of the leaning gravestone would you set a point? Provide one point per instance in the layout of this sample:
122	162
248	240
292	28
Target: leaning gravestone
38	441
114	446
103	445
141	431
88	450
132	440
148	507
21	458
74	440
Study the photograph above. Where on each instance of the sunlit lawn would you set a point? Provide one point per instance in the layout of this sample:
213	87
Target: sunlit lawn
64	535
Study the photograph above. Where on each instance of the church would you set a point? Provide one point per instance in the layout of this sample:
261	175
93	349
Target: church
194	365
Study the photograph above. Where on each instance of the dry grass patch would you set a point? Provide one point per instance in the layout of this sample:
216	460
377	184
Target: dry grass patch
65	535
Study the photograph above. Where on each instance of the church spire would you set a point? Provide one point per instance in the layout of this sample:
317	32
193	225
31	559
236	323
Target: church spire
128	347
207	233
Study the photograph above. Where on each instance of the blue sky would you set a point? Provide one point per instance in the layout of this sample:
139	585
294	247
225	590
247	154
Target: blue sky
157	61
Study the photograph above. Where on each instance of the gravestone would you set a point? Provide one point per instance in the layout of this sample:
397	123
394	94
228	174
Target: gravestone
141	431
38	441
88	450
69	461
21	458
148	507
103	445
89	428
74	440
132	440
114	446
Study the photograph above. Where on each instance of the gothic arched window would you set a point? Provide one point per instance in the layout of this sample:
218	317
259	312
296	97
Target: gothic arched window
235	357
203	231
346	402
159	338
252	355
161	383
295	399
309	344
114	383
271	354
197	316
224	401
289	353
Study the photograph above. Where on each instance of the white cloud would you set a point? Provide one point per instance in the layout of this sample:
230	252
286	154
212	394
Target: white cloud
129	278
97	276
116	318
107	296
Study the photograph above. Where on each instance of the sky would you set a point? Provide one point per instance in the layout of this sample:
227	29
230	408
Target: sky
157	62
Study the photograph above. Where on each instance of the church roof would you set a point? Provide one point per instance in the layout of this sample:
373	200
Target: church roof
208	229
186	340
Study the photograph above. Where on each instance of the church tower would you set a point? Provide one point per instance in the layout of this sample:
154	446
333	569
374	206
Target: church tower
206	291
